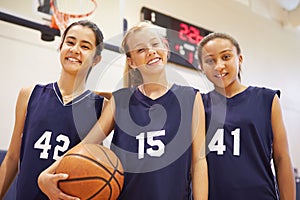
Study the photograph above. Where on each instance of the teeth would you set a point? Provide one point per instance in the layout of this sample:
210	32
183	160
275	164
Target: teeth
73	60
153	61
221	75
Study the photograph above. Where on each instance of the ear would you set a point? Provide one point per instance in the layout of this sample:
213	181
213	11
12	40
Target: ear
168	53
96	60
130	62
167	46
201	69
240	59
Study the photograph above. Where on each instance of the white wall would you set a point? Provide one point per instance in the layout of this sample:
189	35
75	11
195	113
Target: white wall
270	53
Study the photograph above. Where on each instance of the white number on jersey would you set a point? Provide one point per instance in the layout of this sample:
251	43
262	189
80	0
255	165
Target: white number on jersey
236	142
43	143
154	152
217	142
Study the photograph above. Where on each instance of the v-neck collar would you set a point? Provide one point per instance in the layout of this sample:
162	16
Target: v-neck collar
235	98
158	99
74	101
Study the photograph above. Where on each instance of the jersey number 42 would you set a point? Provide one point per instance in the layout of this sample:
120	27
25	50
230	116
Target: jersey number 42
44	144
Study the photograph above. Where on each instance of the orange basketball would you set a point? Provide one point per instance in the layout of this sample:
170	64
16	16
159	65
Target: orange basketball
95	172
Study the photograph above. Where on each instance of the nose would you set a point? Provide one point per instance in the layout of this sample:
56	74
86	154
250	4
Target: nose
75	48
151	51
219	65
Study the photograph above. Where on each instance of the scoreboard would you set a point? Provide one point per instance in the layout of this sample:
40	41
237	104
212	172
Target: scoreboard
183	37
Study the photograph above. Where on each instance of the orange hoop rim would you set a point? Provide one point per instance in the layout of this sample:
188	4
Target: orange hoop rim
57	11
62	17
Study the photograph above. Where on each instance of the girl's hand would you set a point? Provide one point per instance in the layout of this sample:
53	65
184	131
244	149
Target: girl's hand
48	183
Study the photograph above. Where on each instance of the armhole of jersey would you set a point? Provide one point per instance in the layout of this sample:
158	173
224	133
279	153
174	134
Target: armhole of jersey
33	88
278	93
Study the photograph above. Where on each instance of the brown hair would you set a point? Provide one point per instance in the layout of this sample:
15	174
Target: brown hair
213	36
97	32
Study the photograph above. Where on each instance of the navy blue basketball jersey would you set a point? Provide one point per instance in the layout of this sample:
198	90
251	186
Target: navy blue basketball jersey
239	145
152	138
51	128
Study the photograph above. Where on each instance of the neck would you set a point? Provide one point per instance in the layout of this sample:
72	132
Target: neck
70	88
154	90
231	90
155	79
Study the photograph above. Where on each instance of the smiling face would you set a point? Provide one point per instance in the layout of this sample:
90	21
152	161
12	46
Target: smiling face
77	52
221	63
147	52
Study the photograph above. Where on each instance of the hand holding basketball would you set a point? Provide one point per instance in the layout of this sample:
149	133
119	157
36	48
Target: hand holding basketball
95	172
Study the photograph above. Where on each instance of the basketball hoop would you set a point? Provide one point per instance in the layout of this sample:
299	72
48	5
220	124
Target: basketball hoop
66	12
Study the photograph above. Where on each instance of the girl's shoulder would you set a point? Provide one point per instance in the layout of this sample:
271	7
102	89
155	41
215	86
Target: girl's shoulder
250	90
184	88
251	93
124	91
259	90
106	95
28	91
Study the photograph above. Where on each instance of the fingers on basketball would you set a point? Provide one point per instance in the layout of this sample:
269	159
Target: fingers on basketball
95	172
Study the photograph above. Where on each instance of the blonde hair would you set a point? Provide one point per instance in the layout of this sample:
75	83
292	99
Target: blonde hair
133	77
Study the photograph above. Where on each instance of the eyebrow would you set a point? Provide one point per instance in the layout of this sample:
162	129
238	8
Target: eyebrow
226	50
142	43
223	51
138	45
84	41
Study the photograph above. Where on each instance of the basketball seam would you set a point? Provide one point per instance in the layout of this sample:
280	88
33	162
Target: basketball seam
91	178
116	167
108	182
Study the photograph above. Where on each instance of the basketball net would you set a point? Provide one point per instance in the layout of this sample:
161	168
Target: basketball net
66	12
